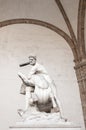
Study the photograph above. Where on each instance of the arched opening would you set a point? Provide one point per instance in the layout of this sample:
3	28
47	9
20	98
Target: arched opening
17	42
45	24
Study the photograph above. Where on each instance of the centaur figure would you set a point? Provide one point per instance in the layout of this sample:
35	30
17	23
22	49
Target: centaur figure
39	89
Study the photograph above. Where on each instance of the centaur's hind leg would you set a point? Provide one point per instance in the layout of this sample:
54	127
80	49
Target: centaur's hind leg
54	103
57	106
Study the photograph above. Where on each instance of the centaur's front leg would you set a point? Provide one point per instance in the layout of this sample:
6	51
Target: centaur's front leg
27	101
30	98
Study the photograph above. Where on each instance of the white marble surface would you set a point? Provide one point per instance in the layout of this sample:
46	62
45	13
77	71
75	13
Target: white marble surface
45	126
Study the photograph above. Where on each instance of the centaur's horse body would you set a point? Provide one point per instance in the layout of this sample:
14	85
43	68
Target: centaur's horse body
40	89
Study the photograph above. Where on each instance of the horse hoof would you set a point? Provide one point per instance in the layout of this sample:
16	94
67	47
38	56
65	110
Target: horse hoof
20	112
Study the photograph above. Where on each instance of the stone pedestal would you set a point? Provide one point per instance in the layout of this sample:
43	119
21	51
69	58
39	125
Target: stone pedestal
45	127
44	121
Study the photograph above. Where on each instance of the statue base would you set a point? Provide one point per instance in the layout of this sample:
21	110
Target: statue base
44	121
45	127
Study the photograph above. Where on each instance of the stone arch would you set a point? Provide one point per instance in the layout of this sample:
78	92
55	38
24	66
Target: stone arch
47	25
80	71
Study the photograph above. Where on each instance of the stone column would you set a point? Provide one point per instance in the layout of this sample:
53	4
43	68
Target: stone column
80	69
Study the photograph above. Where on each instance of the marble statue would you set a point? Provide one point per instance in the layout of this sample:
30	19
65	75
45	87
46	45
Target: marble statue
42	102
